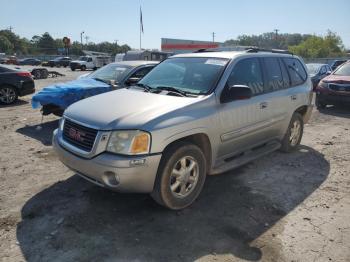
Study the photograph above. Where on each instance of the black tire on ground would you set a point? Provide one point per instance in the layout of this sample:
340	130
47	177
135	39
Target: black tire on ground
36	73
83	68
72	68
44	73
319	104
162	192
8	95
294	134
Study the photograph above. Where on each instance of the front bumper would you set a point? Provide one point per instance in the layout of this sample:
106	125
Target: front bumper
333	98
118	173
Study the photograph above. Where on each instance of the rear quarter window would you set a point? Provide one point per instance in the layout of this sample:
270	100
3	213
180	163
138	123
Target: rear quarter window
296	71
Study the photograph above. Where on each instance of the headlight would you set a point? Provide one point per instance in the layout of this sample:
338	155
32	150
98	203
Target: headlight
323	84
129	142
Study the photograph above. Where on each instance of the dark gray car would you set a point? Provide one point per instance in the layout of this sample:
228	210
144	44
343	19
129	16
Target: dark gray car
317	72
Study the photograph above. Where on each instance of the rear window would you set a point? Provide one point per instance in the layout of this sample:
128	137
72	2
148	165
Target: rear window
296	71
276	76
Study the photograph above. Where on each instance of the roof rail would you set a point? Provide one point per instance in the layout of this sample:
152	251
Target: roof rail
255	49
203	50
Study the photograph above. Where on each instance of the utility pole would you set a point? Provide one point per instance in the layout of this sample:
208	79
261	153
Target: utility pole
213	36
10	28
276	33
81	38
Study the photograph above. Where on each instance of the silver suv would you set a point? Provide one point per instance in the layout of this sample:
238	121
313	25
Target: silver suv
192	115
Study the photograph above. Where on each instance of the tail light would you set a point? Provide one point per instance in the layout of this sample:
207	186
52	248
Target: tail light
25	74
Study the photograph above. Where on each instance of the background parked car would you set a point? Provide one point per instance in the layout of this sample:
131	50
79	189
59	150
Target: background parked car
55	99
29	61
14	83
11	60
335	88
60	61
318	72
337	63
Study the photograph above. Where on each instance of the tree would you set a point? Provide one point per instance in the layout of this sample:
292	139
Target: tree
5	45
320	47
47	44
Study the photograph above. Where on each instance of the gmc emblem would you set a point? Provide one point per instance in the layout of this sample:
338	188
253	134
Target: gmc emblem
75	134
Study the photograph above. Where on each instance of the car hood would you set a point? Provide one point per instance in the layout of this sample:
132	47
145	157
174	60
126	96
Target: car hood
127	109
337	79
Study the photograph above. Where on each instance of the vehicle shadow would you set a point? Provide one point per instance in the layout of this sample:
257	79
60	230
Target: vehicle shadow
19	102
41	132
339	111
74	220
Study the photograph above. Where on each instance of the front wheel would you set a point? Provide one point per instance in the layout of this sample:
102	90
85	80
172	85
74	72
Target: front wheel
83	68
294	134
180	176
319	104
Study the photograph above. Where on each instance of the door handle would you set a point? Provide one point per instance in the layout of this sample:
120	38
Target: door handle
293	97
263	105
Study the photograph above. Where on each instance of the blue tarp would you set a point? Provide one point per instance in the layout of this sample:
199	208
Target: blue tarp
65	94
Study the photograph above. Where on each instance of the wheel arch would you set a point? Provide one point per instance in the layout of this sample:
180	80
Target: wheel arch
199	139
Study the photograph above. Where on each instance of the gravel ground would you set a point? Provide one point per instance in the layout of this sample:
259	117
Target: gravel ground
282	207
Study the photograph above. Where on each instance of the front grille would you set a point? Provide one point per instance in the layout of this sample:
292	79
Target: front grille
79	136
342	88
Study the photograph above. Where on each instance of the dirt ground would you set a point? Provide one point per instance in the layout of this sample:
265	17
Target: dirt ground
282	207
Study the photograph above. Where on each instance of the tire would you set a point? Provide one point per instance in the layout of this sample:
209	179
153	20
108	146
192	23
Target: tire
73	69
319	104
8	95
186	185
37	74
294	134
83	68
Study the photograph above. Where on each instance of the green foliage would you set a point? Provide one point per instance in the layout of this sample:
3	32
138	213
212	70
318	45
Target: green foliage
11	43
5	45
316	46
268	40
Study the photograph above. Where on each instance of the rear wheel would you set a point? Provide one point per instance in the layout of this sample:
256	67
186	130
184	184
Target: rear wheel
294	134
8	95
83	68
180	177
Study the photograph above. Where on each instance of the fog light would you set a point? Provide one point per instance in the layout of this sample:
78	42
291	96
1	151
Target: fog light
111	179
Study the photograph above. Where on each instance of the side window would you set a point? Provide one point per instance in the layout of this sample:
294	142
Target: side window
323	70
275	80
89	59
296	71
247	72
140	73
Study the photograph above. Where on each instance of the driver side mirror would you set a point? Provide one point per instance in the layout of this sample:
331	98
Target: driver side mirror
328	73
132	81
236	92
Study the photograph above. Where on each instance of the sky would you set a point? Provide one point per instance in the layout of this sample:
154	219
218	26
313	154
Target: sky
111	20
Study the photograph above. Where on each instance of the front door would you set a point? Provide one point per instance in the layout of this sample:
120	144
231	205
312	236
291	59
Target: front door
244	123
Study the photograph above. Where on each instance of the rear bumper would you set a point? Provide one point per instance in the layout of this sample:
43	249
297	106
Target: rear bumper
112	171
26	88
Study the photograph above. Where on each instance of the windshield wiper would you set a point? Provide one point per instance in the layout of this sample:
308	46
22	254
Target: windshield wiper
172	89
101	80
144	86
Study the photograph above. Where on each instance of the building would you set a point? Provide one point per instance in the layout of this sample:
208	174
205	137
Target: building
178	46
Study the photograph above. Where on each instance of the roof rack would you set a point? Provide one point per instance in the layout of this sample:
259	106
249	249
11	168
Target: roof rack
204	50
254	49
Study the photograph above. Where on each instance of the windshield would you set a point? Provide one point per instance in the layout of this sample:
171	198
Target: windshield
313	68
195	75
83	58
343	70
111	72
